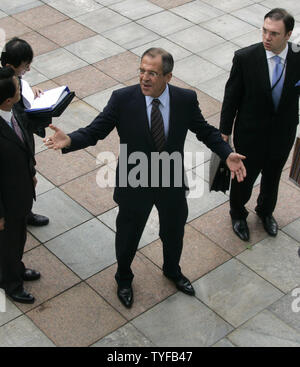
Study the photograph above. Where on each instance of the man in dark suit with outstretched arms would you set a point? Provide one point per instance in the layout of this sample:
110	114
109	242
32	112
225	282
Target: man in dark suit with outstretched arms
261	101
151	117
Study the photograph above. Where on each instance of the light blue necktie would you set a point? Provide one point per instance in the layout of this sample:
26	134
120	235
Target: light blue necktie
277	73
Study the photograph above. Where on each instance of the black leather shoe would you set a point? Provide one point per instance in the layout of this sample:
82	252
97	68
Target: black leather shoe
270	225
240	228
31	274
37	220
125	295
22	296
184	285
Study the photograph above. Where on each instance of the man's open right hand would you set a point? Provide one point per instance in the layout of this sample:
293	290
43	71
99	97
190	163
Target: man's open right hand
59	140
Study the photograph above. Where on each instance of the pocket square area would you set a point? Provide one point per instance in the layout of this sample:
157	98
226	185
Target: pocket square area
297	84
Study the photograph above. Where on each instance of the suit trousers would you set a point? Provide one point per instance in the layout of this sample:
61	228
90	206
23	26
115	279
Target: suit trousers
12	243
240	193
131	221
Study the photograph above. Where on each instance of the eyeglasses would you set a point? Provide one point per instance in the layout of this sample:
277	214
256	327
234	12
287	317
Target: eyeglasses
151	74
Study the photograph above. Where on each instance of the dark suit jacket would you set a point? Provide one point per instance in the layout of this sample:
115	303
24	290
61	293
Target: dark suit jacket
16	173
258	128
126	110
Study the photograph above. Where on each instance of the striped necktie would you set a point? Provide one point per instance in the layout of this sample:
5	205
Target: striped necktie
17	128
157	125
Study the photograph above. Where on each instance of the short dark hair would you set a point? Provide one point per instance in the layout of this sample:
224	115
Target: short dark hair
7	84
167	58
15	52
285	16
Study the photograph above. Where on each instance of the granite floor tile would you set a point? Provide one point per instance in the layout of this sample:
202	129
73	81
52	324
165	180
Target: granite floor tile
235	292
149	286
55	276
291	5
176	51
46	85
61	168
130	35
288	204
248	38
197	11
228	5
285	177
199	256
228	27
214	120
196	39
182	321
31	242
220	55
208	105
94	49
15	6
64	212
216	225
56	63
107	150
126	336
78	114
135	9
39	44
33	77
99	100
224	343
66	32
151	231
287	309
253	14
86	191
205	203
120	67
11	311
276	260
165	23
102	20
265	330
76	318
215	87
293	229
86	249
94	81
185	70
39	17
75	8
43	185
22	332
12	27
167	4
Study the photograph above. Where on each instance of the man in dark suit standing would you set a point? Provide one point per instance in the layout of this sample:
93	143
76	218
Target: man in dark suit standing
151	118
261	99
17	191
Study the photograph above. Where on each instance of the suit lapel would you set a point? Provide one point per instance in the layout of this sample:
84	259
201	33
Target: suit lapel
290	68
263	73
8	133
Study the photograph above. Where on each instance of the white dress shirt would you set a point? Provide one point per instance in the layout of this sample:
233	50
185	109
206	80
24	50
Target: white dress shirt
272	63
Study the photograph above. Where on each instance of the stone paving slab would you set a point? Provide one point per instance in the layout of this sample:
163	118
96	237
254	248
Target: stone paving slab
244	297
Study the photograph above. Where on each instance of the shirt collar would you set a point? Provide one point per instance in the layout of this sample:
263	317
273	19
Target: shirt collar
163	98
6	115
282	54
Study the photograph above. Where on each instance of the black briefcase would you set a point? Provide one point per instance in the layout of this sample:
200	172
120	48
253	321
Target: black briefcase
295	168
219	174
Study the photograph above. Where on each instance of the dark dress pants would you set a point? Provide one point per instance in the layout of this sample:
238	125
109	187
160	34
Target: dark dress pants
12	243
240	193
131	220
